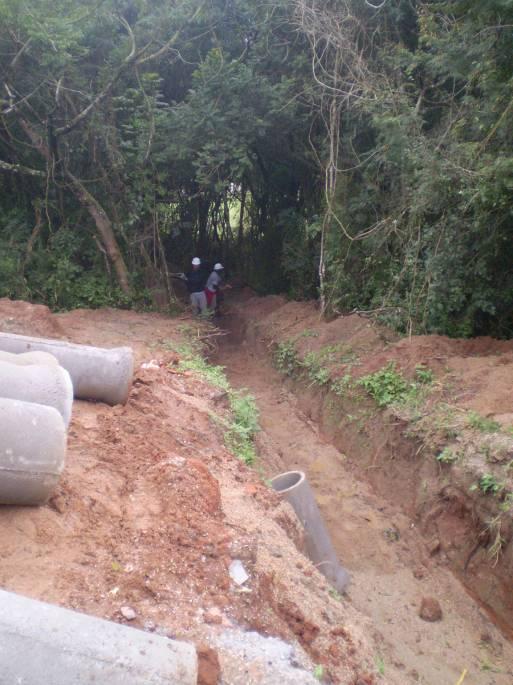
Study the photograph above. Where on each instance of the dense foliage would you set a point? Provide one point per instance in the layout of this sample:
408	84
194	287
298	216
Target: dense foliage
356	151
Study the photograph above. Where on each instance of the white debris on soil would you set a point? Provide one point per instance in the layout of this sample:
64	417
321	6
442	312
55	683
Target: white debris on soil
238	572
152	364
248	658
128	613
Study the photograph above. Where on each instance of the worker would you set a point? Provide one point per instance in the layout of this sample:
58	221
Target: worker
213	290
195	280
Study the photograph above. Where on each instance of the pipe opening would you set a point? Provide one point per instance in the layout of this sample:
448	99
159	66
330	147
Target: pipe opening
286	481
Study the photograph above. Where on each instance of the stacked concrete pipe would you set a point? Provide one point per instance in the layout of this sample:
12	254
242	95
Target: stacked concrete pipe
47	385
29	358
38	379
32	452
97	374
294	487
41	643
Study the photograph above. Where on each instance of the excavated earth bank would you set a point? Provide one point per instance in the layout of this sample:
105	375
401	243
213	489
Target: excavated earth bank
400	518
152	509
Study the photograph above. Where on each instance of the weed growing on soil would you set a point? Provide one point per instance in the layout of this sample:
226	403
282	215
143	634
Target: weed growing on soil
447	456
385	386
388	386
423	375
315	365
341	386
316	372
380	665
488	484
240	434
285	358
319	672
240	431
214	375
335	594
482	423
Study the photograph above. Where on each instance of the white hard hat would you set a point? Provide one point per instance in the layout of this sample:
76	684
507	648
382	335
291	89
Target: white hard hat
196	261
218	267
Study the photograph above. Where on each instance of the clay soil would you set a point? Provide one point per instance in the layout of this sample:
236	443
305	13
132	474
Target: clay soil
406	526
152	508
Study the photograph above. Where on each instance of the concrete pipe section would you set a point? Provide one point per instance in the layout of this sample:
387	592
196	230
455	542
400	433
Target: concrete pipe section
48	385
32	453
29	358
294	487
41	643
97	374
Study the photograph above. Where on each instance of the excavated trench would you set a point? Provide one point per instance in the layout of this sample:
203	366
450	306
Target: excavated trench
376	532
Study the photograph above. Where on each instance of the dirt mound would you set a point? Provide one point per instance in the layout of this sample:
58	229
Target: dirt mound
24	318
152	509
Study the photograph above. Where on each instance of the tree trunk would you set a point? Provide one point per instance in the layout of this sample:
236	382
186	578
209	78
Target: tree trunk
241	219
203	207
105	231
98	214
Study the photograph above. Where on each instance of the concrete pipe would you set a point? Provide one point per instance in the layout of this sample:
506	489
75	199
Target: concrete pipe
294	487
97	374
48	385
41	643
29	358
32	452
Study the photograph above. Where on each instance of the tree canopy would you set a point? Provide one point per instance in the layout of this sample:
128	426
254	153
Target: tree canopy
355	151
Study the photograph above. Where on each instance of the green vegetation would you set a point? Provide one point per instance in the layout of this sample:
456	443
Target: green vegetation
488	484
317	373
135	134
240	431
447	456
285	358
319	672
316	365
340	386
483	424
335	594
385	386
380	664
388	386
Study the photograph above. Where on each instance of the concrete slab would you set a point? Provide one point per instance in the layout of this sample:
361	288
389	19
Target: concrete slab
42	643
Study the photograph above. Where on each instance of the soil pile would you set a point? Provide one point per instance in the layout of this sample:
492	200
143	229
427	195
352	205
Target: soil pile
152	509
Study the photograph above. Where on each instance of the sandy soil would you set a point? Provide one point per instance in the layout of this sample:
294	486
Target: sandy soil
152	509
387	555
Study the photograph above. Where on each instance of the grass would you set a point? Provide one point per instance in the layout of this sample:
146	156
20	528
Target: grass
240	431
332	592
482	423
342	385
239	437
380	664
319	672
316	372
316	365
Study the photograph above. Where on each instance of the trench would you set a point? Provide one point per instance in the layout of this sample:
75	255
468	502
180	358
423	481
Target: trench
376	538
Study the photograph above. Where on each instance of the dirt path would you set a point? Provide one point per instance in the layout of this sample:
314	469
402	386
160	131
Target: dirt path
388	560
